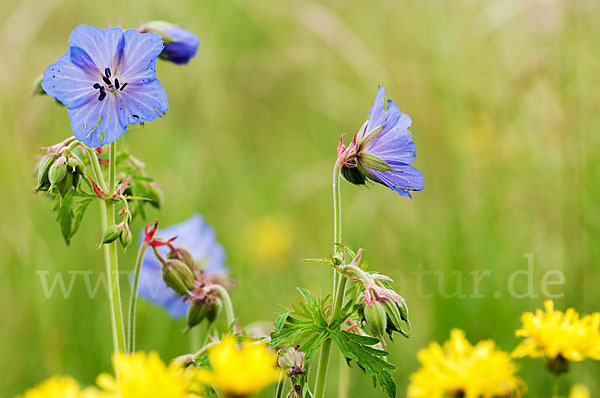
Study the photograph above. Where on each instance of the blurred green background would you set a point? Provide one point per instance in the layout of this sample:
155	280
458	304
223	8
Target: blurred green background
505	106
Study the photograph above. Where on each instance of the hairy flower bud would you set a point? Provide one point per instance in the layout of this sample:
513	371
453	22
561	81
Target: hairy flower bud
43	168
125	237
394	318
112	233
178	276
214	311
197	312
182	255
293	362
376	318
57	171
65	185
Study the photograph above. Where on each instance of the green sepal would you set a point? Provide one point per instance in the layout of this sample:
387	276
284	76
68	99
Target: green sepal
373	162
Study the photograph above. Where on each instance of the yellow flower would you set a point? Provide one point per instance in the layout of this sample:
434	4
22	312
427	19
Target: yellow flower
240	370
57	387
558	335
461	369
144	375
579	391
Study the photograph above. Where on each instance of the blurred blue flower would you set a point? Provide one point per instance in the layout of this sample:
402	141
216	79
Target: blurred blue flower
382	150
198	238
180	45
107	80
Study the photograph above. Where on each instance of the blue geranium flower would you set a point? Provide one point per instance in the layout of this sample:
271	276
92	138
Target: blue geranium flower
107	80
198	238
382	150
180	45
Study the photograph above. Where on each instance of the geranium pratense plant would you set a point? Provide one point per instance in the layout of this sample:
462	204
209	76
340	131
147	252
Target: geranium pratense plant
380	151
107	80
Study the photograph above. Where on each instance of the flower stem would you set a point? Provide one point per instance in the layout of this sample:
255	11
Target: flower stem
224	295
133	298
339	288
110	251
111	255
280	384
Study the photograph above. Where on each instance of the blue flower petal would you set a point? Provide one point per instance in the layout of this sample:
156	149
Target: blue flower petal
402	179
141	51
377	116
102	45
69	84
97	123
142	103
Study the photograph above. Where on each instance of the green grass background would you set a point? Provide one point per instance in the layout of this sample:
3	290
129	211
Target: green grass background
505	106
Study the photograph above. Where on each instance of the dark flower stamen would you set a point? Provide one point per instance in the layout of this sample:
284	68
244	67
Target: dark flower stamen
107	72
97	86
102	94
116	83
122	87
107	80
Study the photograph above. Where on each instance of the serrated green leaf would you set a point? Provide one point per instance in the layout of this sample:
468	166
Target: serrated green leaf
79	208
358	348
280	320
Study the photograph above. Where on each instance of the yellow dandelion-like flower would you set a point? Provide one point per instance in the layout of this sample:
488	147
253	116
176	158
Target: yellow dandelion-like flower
57	387
144	375
459	369
557	335
579	391
240	369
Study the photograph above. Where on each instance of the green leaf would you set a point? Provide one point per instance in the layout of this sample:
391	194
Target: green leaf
79	208
372	360
65	216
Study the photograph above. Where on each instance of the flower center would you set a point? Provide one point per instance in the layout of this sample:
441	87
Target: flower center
109	84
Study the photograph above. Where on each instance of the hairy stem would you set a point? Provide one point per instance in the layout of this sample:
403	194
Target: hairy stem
224	295
133	298
339	288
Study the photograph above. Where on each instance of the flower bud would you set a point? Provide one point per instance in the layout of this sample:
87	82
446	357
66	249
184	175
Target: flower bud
376	318
293	362
394	318
180	45
65	185
43	169
57	171
197	312
178	276
182	255
214	311
125	237
112	233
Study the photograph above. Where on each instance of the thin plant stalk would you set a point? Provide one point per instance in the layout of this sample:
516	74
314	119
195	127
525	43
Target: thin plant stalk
107	214
133	298
224	295
339	287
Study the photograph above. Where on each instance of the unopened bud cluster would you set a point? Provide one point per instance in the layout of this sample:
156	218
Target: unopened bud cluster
181	273
59	171
384	311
